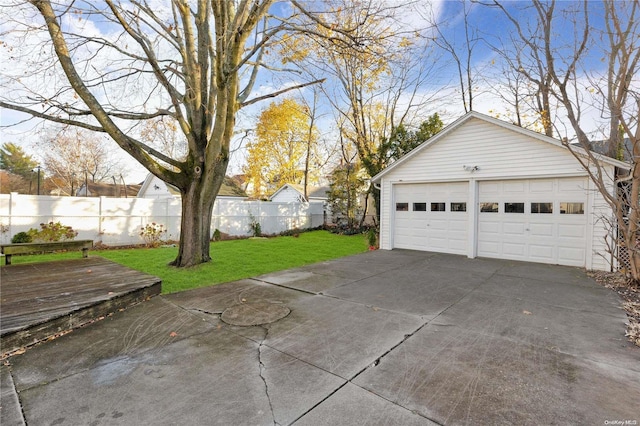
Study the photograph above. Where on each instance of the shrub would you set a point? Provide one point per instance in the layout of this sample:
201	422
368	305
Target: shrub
254	226
295	232
256	229
21	237
153	234
372	238
217	235
52	231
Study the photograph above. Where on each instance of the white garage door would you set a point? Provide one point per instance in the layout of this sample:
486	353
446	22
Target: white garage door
431	217
538	220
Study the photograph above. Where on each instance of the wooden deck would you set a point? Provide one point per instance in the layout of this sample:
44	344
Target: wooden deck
39	300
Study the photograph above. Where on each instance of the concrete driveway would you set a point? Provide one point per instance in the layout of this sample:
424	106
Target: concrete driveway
382	338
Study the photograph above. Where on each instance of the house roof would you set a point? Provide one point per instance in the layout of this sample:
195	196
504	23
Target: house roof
317	192
229	187
476	115
602	146
100	189
147	183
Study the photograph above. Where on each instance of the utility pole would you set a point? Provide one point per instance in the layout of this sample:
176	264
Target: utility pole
115	187
124	185
38	179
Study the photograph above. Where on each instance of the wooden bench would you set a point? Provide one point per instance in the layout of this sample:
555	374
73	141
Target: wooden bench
31	248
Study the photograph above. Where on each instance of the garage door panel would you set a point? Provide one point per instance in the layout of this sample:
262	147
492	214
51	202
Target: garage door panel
514	249
550	237
541	229
572	231
438	231
491	187
517	187
541	252
458	233
489	228
514	229
576	186
438	243
541	186
489	248
439	225
572	254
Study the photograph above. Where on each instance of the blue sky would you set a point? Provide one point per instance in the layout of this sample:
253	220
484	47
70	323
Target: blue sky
491	25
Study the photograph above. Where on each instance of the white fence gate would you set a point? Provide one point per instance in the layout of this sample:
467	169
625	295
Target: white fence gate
118	221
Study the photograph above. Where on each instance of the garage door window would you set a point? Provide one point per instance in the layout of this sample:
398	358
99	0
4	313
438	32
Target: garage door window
458	207
402	207
437	207
419	207
571	208
514	207
489	207
541	207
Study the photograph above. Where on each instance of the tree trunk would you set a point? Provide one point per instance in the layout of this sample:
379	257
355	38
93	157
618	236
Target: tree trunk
195	226
376	202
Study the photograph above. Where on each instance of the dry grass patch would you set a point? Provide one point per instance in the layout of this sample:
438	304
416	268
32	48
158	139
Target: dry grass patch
630	295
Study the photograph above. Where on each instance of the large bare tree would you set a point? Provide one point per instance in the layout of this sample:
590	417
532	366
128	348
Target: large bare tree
565	71
71	154
459	45
131	61
526	55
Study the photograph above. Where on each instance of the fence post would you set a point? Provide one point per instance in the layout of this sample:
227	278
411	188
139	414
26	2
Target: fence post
11	197
100	212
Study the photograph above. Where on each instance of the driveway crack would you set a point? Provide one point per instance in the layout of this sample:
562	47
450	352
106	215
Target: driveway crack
262	368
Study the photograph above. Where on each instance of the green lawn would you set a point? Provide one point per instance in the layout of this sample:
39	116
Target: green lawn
232	260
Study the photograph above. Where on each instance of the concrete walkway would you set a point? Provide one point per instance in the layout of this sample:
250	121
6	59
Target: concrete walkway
393	338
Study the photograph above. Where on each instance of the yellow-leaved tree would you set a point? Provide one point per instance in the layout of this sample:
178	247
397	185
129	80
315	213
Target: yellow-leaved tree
372	73
278	155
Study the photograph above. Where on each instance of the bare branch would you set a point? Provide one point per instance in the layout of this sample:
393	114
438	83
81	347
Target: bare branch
280	92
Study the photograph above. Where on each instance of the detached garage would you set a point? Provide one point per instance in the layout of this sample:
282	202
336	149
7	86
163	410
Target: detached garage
483	187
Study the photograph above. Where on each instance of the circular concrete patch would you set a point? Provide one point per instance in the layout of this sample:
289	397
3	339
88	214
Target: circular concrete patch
248	314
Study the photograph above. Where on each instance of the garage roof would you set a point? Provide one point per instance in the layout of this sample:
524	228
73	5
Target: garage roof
473	114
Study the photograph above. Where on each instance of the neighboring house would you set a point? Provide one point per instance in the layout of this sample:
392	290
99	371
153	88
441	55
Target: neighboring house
602	147
96	189
154	187
485	188
290	192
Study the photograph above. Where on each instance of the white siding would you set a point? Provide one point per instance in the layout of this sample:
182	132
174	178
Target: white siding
599	222
498	152
288	195
387	216
154	187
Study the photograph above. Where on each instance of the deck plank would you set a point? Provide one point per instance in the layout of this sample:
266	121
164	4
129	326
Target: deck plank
39	300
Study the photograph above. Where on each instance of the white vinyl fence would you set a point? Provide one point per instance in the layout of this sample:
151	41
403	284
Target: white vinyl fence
117	221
